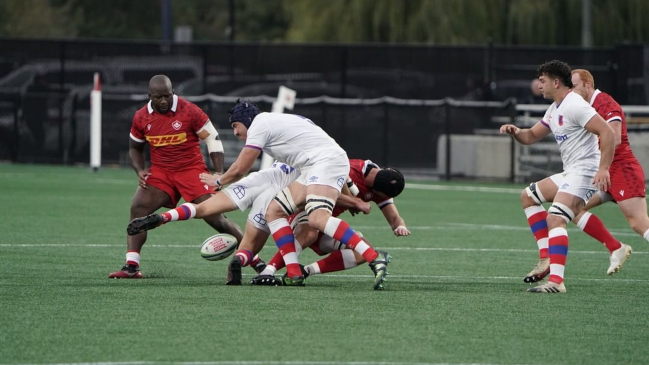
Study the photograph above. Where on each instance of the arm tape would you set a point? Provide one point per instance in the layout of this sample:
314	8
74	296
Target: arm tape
213	143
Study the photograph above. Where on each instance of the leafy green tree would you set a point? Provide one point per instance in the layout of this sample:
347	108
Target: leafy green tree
35	19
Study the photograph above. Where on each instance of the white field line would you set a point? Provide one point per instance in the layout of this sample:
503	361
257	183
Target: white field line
265	362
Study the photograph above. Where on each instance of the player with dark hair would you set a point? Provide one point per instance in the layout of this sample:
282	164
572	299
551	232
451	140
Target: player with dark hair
576	126
627	177
298	142
173	127
367	182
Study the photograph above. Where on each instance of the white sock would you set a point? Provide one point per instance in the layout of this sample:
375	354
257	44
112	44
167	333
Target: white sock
133	256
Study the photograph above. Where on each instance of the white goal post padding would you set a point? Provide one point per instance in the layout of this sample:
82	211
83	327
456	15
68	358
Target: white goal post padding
285	99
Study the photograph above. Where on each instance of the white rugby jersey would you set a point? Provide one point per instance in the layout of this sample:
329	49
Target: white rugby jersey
579	148
292	139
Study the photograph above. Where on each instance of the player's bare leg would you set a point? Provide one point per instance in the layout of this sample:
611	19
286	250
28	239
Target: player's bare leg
212	205
319	205
252	241
635	212
145	201
218	221
531	200
563	210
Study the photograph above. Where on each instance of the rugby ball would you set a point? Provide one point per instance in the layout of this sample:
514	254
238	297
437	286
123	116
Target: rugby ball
218	247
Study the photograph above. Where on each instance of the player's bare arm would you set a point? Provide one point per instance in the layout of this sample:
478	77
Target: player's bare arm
238	170
526	135
353	204
136	153
598	126
617	130
210	136
398	225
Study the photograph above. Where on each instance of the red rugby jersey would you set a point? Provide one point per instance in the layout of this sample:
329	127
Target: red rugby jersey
611	111
357	170
172	137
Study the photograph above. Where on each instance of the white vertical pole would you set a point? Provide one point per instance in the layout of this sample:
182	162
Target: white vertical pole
285	99
95	124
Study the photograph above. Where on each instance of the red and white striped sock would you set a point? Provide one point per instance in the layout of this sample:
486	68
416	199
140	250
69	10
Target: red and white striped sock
536	218
245	257
285	241
558	254
133	258
182	212
341	231
255	260
336	261
593	226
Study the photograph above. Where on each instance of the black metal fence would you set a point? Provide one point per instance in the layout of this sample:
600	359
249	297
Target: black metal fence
45	85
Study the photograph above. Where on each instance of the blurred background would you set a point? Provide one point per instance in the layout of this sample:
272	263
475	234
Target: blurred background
421	85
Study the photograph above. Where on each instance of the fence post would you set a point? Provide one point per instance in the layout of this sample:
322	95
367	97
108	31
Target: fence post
343	71
61	96
512	145
386	133
15	146
447	132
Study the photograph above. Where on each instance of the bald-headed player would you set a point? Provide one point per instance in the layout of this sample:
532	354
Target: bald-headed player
173	128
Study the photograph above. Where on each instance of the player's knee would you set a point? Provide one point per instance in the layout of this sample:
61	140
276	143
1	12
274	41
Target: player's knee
306	235
559	214
284	201
319	209
139	209
531	195
274	211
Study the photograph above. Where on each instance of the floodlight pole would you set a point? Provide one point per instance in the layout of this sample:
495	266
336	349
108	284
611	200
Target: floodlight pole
586	24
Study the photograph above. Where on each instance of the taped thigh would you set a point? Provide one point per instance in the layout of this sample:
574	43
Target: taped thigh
285	200
314	202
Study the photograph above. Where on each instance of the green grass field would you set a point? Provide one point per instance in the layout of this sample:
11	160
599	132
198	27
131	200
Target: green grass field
455	294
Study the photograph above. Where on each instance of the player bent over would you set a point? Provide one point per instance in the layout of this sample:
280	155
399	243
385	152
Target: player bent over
368	182
172	127
576	126
254	191
300	143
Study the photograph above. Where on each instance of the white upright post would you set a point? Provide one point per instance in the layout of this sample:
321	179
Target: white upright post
95	124
285	99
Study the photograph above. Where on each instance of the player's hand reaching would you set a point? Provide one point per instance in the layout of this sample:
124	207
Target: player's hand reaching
602	180
209	179
509	129
360	206
142	176
364	207
401	231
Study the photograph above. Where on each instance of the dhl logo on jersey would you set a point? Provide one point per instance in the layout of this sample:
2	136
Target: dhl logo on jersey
168	140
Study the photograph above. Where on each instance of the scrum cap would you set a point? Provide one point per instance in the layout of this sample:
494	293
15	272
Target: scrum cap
389	181
243	112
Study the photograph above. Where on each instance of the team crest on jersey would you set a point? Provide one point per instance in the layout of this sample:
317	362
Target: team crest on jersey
176	124
148	127
560	120
368	196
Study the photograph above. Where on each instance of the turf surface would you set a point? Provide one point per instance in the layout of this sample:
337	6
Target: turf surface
455	294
